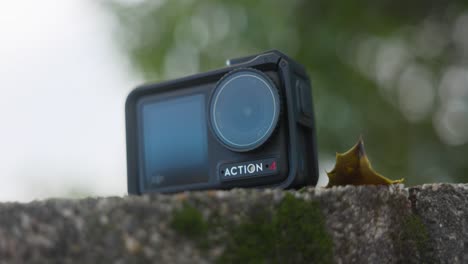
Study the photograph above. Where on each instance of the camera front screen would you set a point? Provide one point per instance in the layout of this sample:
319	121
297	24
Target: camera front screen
173	141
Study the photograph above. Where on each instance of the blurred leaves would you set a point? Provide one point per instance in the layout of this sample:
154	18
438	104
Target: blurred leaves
393	71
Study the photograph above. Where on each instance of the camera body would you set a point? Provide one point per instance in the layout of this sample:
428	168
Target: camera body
250	124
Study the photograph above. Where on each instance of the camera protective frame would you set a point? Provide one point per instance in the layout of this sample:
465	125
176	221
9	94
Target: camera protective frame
302	146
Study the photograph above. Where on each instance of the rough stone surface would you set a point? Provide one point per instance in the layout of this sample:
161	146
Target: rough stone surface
443	208
362	221
367	224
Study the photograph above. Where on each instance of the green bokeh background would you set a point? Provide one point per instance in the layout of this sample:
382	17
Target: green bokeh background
395	72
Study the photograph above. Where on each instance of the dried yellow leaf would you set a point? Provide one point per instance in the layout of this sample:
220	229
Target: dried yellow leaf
353	167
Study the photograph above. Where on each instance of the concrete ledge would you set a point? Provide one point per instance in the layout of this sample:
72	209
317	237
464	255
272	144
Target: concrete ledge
366	224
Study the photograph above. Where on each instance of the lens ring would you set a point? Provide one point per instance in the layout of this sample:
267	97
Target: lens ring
244	109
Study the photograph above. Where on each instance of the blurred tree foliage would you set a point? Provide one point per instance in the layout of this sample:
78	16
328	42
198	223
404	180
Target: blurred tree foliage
393	71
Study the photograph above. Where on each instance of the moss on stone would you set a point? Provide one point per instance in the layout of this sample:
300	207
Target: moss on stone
415	232
415	228
188	221
413	241
293	232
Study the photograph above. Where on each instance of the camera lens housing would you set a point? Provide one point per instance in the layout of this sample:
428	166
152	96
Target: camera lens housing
244	109
250	124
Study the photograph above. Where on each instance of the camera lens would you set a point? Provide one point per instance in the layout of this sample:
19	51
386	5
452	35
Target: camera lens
244	109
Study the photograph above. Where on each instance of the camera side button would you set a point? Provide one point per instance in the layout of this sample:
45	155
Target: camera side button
304	96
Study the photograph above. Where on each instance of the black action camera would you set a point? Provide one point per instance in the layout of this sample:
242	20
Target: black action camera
250	124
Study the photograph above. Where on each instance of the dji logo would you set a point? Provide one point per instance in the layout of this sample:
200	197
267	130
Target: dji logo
157	179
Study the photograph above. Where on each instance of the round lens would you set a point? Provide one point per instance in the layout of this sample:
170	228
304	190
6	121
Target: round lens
244	109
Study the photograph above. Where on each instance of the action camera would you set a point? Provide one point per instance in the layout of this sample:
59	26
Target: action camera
250	124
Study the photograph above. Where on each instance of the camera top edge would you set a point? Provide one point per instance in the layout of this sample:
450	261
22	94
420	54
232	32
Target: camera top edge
268	57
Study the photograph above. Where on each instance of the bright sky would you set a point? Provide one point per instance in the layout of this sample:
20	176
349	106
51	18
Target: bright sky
63	83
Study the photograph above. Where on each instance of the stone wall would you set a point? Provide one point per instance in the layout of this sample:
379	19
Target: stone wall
366	224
